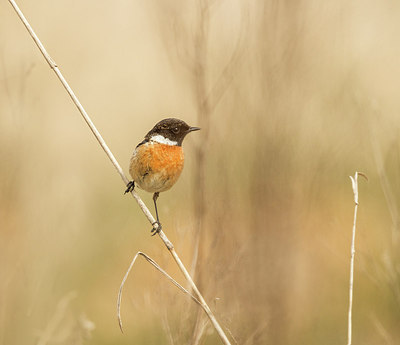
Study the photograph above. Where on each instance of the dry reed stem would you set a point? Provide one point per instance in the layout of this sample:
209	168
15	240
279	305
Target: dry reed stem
157	266
354	184
108	152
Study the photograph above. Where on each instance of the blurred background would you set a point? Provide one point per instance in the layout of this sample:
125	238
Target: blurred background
292	98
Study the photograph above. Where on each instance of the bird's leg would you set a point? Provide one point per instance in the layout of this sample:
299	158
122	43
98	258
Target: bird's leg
156	231
130	187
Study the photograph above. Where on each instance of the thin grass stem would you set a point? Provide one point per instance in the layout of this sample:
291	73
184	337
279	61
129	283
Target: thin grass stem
115	163
354	183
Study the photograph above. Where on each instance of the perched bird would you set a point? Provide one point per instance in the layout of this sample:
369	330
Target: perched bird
157	161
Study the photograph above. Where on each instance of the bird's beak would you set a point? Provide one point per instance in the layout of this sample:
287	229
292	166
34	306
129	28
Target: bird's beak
192	129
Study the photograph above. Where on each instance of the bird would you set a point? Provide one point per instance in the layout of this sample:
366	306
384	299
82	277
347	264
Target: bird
157	161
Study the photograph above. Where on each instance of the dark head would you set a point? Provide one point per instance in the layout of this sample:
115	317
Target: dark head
172	130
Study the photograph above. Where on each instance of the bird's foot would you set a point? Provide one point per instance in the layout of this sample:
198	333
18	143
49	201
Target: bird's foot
156	230
130	187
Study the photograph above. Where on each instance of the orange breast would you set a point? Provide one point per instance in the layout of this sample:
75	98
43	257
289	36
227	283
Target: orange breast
156	167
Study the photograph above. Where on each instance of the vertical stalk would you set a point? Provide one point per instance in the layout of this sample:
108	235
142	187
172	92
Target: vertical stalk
354	183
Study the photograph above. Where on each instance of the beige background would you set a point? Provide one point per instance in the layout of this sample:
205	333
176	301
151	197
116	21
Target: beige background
292	96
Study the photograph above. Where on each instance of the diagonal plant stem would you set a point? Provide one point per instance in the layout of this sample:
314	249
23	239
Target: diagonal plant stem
108	152
354	184
158	268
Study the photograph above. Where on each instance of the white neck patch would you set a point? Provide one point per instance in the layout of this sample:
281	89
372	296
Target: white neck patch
162	140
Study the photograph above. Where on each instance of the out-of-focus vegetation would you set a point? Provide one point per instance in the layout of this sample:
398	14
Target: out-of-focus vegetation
293	97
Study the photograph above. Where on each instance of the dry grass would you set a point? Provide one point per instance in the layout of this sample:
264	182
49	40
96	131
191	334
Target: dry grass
313	100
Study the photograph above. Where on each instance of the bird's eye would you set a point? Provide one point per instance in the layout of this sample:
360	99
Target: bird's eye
176	130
